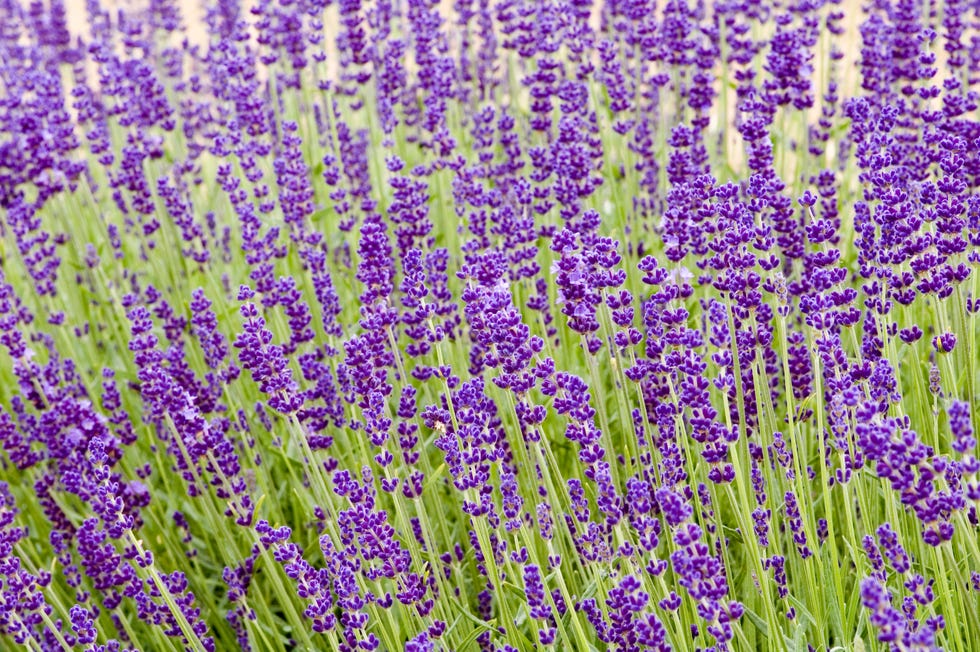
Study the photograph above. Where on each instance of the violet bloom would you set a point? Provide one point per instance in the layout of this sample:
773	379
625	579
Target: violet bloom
354	49
266	361
888	621
472	449
617	86
437	71
539	610
295	191
194	240
699	571
200	447
391	82
965	443
796	525
23	602
204	324
313	585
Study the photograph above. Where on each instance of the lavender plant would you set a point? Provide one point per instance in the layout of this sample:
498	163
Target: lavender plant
495	326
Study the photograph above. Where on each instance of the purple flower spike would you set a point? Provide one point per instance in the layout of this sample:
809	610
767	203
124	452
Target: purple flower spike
266	361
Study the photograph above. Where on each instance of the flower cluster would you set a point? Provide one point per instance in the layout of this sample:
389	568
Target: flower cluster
491	325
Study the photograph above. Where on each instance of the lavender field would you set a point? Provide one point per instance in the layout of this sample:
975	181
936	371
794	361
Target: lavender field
490	326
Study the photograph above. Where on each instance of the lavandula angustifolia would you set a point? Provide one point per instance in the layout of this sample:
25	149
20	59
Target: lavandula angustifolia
818	136
260	248
381	18
887	620
41	138
684	55
81	451
671	377
295	190
296	203
733	265
391	83
15	319
899	628
214	345
417	313
352	161
354	49
910	69
369	355
540	37
487	60
162	599
313	585
195	243
36	159
630	623
617	86
174	327
674	385
246	122
918	249
366	533
23	607
788	61
232	77
280	36
699	571
849	389
507	346
687	203
572	158
135	100
374	366
121	425
436	75
827	308
408	210
200	448
575	277
266	361
701	93
464	14
915	472
965	443
238	579
496	200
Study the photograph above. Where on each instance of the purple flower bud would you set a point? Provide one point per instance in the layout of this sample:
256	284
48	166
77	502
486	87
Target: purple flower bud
944	343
